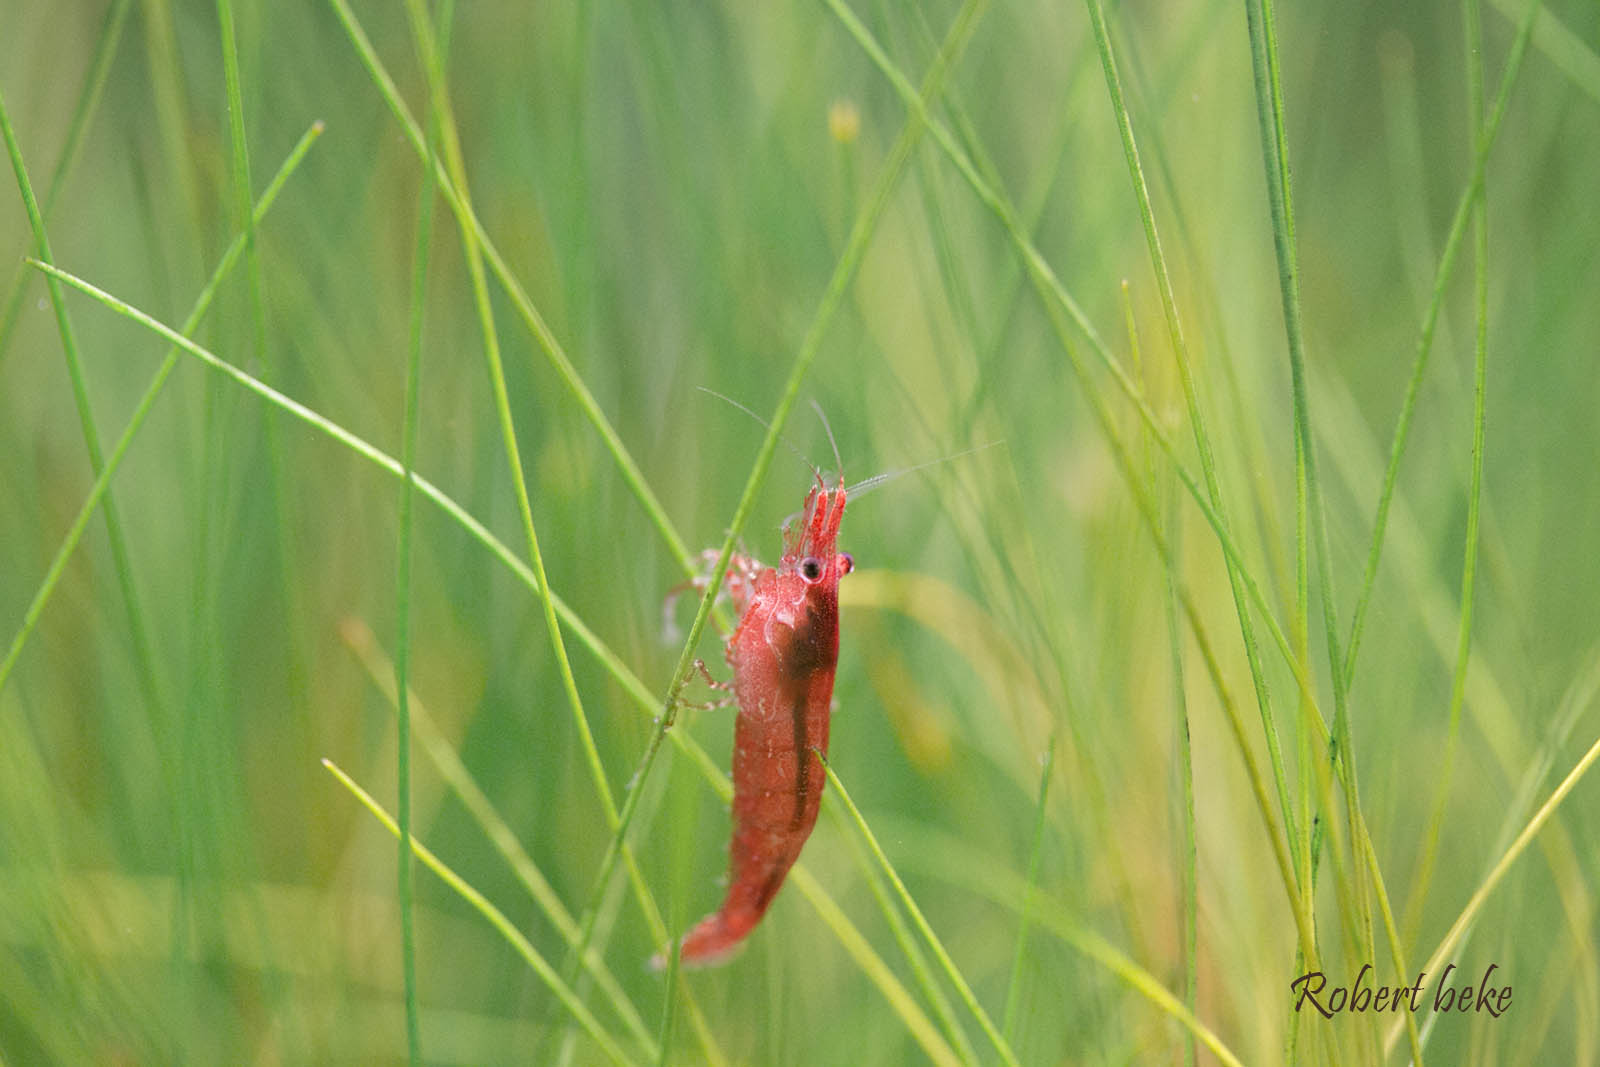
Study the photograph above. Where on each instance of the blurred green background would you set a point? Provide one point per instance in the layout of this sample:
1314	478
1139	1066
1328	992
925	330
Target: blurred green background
673	186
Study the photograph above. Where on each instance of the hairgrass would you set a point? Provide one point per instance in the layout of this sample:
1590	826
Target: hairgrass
1053	592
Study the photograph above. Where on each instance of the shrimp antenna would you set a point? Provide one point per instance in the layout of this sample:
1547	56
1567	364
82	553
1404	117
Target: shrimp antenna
838	464
768	425
890	475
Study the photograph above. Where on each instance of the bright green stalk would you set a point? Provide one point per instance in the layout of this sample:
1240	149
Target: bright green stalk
402	641
1464	921
1190	917
1469	563
963	867
455	775
504	926
1058	300
1180	349
472	252
1275	157
1001	1045
906	941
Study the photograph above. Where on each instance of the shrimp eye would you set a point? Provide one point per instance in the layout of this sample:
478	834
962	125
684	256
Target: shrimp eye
847	563
811	569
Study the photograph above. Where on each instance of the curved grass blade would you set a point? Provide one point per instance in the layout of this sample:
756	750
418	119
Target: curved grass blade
1469	913
504	926
961	865
1202	438
915	958
472	252
384	675
1309	498
1002	1046
1469	563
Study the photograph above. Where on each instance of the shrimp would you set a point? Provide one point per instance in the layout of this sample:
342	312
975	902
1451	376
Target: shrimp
783	654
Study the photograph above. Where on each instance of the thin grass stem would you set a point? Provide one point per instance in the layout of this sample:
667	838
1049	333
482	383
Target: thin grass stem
402	641
431	53
102	483
1202	438
1057	298
1008	1017
524	306
1489	131
963	989
496	918
138	629
916	959
384	675
1458	677
89	97
1475	903
1275	157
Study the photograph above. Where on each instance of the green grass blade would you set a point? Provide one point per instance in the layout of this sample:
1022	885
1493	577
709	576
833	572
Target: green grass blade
524	306
1008	1017
1458	683
496	918
402	640
1458	677
1475	904
455	165
1059	301
144	656
1565	49
1275	158
94	83
961	865
240	173
963	989
906	941
917	1024
102	483
1430	322
1202	438
1189	864
385	677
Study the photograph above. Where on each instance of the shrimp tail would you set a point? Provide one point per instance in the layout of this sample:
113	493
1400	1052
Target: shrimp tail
716	937
714	940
